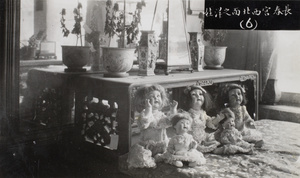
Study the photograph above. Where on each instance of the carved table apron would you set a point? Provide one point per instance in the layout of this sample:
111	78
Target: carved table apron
52	97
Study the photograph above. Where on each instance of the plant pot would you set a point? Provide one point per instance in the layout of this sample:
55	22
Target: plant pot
117	61
75	57
214	56
31	53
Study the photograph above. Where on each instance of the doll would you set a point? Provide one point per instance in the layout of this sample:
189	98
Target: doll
149	101
198	101
230	138
233	95
182	146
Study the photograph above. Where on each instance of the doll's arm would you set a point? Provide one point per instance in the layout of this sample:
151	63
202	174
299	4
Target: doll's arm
238	135
193	144
249	122
163	121
213	122
173	107
146	116
225	138
148	108
171	146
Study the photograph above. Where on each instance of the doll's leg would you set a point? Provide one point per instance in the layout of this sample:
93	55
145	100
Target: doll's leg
192	164
204	148
253	136
259	144
140	157
177	163
219	150
156	147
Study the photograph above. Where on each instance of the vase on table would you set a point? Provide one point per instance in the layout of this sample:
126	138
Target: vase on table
147	53
196	50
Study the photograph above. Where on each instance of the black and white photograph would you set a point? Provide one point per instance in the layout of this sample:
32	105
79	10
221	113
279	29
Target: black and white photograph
150	88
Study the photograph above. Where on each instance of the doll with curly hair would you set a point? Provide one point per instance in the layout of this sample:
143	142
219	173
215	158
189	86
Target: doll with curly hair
230	138
198	101
233	97
149	101
182	146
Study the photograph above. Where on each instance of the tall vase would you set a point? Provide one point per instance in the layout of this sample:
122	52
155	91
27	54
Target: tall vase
197	51
147	53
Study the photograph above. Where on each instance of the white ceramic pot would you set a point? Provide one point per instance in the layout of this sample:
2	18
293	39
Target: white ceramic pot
214	56
117	61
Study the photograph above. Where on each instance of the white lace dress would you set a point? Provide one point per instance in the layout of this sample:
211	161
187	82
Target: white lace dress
183	148
206	141
242	124
153	140
232	142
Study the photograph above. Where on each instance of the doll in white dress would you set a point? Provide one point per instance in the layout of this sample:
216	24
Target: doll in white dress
182	146
198	101
149	101
230	138
234	98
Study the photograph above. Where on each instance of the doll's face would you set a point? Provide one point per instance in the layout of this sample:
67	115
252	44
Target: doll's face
229	123
182	126
197	99
235	97
155	99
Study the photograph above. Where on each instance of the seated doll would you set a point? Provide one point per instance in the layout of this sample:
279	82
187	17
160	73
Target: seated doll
149	101
182	146
230	138
233	98
197	102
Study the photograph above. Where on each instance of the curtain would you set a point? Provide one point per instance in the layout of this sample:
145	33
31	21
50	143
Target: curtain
252	50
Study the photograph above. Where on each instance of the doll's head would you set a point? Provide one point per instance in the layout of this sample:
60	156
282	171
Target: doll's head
228	121
234	95
181	122
156	95
197	98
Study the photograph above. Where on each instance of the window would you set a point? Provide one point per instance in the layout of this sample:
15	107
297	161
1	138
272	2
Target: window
288	66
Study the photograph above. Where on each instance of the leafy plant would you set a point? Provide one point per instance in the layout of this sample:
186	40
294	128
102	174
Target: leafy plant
77	25
213	36
115	22
33	42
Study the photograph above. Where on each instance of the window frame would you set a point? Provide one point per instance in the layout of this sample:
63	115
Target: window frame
9	67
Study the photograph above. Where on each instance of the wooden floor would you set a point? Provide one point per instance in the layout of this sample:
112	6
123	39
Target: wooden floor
51	163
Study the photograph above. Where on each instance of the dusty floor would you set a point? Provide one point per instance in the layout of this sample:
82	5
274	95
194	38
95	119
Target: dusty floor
49	162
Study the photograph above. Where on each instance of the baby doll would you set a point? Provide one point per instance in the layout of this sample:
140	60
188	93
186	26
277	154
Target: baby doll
182	146
230	138
149	101
198	101
233	95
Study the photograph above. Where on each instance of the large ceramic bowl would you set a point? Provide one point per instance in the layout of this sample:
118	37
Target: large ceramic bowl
118	61
214	56
75	57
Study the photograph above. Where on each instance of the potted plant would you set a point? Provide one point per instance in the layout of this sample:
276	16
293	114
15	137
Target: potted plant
119	60
74	57
214	55
28	51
